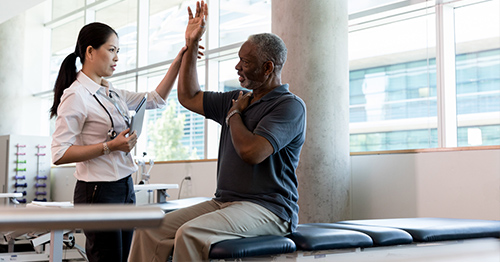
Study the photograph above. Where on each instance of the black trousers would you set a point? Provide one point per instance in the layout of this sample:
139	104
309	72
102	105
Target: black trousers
113	245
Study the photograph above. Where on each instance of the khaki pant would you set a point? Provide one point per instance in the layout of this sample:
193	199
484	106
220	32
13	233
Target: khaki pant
194	229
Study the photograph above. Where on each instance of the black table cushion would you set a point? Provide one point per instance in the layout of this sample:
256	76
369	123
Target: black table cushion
311	237
436	229
252	247
381	236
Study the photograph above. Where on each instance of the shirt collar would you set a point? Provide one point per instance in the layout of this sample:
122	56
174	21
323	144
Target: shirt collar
276	92
89	84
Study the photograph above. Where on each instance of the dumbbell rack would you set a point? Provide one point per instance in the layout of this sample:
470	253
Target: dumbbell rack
25	167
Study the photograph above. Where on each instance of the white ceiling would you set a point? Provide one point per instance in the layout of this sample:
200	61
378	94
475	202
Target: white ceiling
11	8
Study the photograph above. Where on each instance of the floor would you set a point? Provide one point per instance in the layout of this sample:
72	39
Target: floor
473	250
476	250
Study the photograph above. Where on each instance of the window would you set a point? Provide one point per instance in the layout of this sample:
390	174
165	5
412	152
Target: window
239	19
167	23
63	39
151	33
64	7
477	65
392	82
401	70
122	16
398	69
172	133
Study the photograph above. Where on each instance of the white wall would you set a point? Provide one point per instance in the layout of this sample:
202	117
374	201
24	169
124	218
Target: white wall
458	184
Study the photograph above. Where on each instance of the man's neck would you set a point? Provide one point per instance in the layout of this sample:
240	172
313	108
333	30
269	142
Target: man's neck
266	87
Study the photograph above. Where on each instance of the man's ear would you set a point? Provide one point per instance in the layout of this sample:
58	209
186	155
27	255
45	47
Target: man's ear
268	67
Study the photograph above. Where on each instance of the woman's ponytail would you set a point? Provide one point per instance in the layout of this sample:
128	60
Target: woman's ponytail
67	75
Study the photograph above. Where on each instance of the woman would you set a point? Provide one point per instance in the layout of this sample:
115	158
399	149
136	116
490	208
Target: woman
92	130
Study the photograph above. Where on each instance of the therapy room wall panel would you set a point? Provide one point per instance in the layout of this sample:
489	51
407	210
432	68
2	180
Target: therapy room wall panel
383	186
463	184
203	178
202	184
456	184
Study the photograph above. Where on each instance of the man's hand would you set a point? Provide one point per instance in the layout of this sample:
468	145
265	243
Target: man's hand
242	102
196	24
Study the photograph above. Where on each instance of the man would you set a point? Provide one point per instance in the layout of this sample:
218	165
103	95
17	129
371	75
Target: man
261	137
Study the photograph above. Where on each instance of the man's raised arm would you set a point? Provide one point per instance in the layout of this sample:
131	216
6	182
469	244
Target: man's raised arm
188	91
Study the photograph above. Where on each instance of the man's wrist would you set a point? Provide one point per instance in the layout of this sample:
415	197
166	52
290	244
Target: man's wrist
232	113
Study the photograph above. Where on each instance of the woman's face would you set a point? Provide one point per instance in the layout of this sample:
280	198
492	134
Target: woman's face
106	57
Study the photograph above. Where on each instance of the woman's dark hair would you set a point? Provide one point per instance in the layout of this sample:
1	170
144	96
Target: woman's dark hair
93	34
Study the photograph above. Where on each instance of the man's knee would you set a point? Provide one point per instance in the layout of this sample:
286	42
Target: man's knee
186	231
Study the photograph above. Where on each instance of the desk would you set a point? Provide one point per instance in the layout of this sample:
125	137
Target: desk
11	197
95	217
161	189
172	205
4	195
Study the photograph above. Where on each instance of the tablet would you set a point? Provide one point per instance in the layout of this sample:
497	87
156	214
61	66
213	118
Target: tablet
137	119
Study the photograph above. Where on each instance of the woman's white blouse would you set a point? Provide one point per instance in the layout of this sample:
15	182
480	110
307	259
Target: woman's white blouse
81	120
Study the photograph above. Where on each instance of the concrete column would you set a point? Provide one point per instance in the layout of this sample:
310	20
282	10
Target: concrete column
315	32
11	73
22	68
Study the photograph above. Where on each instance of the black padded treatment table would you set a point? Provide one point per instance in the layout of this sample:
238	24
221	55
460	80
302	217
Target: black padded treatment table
320	239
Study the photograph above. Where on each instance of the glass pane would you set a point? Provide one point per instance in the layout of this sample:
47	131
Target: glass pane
477	34
486	135
167	24
228	78
126	82
392	85
173	132
241	18
63	7
63	42
381	141
122	17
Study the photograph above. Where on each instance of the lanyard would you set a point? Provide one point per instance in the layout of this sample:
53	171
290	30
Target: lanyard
123	111
117	106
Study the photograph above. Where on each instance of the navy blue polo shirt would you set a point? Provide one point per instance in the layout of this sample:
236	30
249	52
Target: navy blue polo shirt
280	117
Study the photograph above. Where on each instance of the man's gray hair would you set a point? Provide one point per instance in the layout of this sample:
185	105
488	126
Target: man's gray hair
270	47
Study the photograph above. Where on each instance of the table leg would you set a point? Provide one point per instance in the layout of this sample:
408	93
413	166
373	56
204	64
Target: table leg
56	245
